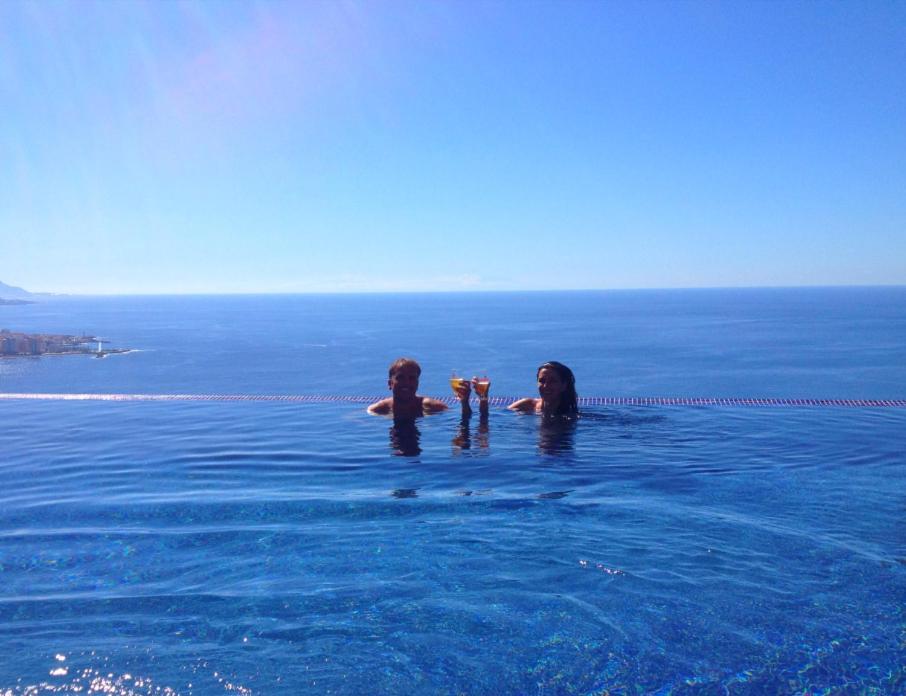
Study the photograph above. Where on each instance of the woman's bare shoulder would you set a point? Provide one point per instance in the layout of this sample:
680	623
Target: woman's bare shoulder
527	405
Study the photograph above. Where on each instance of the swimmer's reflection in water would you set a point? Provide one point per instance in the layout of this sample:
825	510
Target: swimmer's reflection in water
463	438
405	437
557	435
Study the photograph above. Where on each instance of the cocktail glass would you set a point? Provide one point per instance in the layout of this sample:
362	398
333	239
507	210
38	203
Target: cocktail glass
456	382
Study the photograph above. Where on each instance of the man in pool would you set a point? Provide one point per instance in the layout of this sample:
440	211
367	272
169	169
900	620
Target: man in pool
405	402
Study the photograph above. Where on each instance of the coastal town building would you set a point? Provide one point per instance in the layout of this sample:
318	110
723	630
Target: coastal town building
15	343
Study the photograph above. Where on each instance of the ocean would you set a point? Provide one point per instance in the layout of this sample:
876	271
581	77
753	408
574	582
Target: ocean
302	546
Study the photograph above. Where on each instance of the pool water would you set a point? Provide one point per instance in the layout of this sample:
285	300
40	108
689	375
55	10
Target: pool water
203	548
267	547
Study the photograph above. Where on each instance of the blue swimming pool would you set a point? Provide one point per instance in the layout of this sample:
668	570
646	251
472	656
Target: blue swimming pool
280	548
204	547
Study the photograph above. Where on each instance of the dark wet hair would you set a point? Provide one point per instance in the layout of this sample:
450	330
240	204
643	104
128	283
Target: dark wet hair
568	405
403	362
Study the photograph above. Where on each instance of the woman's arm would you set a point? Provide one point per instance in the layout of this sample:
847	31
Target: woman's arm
482	397
523	405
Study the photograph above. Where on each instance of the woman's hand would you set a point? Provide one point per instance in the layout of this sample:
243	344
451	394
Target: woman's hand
483	393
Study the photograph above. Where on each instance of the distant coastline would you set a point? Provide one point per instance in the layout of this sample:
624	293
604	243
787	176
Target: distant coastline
15	344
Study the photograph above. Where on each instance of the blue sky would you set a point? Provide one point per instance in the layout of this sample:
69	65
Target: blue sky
383	146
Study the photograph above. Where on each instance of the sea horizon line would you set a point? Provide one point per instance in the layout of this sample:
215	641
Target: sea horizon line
465	291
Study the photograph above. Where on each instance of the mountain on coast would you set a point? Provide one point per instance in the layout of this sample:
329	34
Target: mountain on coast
9	292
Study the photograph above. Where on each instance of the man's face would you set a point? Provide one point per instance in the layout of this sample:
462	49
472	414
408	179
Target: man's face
404	382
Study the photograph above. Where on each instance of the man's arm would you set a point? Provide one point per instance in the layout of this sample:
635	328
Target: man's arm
381	408
463	392
430	405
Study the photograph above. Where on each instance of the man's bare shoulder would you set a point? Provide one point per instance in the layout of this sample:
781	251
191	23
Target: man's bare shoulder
382	407
430	405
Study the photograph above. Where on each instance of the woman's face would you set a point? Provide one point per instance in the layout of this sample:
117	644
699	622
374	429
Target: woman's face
550	386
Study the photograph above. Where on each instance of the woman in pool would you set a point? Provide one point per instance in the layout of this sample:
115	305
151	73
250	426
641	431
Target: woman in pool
557	387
